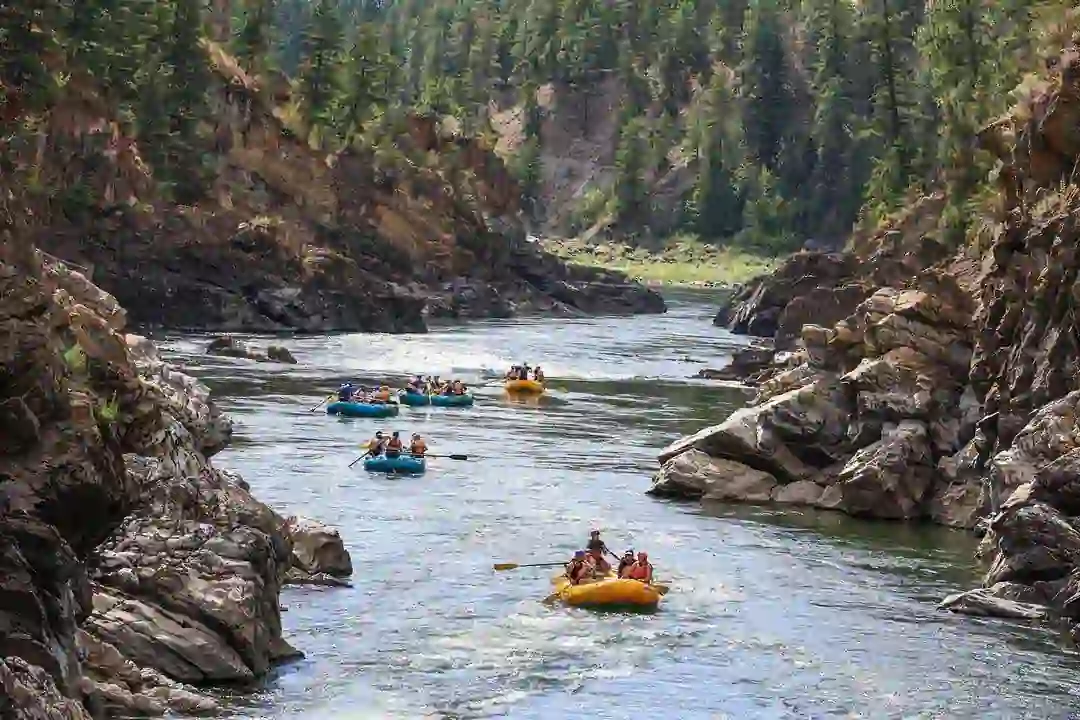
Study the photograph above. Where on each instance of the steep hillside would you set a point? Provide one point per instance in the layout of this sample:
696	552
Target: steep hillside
755	124
288	236
578	145
948	388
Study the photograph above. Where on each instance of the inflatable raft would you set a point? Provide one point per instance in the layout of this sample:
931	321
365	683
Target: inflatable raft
417	399
529	387
610	592
404	464
358	409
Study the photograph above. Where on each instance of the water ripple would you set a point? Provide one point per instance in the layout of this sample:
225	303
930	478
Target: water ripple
772	614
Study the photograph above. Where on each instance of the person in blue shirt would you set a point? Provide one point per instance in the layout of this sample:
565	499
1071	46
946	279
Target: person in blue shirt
345	392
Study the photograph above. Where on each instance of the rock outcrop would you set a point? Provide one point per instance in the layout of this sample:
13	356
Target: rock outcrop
857	420
228	346
132	568
824	288
951	394
293	237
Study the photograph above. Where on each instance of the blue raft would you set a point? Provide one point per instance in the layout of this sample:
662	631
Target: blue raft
357	409
416	399
404	464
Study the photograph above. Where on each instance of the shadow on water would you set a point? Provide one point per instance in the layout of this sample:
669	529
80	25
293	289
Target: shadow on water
771	614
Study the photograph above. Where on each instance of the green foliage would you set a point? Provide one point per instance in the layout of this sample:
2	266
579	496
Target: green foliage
75	358
107	413
320	77
795	116
253	40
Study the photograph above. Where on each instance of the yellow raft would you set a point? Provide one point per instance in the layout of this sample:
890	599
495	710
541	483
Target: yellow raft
525	386
608	592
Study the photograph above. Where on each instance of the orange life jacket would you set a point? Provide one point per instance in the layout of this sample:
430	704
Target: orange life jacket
638	571
394	444
418	447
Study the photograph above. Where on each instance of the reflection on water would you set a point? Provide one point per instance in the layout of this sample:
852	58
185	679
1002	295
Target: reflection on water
771	614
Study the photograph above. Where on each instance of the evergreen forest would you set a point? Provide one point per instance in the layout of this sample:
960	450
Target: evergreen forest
798	118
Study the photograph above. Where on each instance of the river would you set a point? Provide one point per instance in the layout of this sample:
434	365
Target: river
770	614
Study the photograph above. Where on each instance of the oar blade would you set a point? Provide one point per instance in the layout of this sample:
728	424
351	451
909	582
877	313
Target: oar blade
458	457
505	566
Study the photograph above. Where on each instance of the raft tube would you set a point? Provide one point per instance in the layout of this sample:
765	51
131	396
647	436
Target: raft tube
610	592
404	464
358	409
530	387
415	399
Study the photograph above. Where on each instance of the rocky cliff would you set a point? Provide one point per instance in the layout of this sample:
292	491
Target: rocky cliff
291	236
920	382
132	569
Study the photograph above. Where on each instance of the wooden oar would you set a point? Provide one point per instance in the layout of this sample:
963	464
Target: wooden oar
514	566
320	403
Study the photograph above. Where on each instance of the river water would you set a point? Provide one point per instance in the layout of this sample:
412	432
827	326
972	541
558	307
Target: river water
770	614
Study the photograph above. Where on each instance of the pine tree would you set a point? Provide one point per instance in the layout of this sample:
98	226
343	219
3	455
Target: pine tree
368	78
186	102
321	64
253	41
715	204
833	192
630	200
768	103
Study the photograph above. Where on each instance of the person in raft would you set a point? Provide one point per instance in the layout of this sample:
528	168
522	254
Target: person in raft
596	543
538	374
579	569
345	392
417	446
377	444
640	570
394	445
416	385
625	562
601	566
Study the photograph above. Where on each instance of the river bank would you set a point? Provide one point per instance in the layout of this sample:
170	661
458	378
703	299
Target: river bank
680	262
919	380
136	571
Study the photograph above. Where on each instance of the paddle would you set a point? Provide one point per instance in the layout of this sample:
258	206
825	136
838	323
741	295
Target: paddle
514	566
328	397
359	458
452	457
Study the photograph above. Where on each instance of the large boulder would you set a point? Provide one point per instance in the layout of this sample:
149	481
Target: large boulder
792	436
317	549
229	346
890	478
122	688
1034	543
695	475
756	309
28	693
824	306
